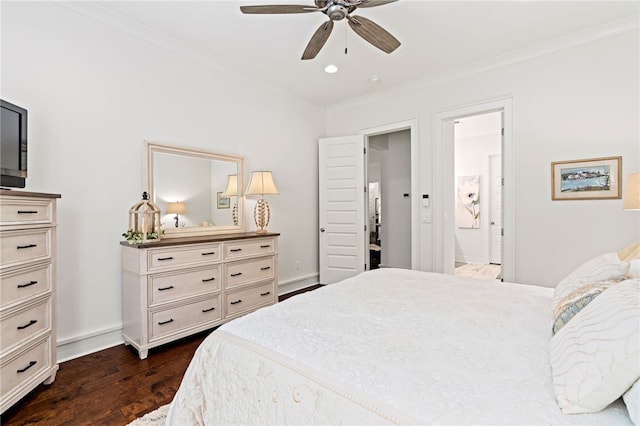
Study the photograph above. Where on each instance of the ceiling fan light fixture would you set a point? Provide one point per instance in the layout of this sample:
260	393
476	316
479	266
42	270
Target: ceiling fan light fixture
331	69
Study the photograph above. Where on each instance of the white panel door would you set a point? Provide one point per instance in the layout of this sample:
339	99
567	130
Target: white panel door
495	209
342	207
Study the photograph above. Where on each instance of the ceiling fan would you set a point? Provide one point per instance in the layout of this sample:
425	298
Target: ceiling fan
336	10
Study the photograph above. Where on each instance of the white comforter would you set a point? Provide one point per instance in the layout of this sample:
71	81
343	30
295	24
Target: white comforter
387	346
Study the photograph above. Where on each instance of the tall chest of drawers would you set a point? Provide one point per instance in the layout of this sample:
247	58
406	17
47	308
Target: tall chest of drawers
176	287
27	293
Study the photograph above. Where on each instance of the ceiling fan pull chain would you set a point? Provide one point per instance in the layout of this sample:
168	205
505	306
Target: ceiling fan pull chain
345	39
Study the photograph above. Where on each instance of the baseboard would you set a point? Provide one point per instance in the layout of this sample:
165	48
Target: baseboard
296	284
75	347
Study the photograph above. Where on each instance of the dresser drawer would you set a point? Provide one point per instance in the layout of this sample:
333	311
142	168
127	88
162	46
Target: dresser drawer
18	327
23	246
249	299
19	370
26	211
176	319
177	285
241	249
25	283
172	258
248	271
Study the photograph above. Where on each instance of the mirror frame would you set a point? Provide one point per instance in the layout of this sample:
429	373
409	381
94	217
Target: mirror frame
152	147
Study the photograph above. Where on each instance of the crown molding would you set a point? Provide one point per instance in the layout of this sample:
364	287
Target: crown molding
576	39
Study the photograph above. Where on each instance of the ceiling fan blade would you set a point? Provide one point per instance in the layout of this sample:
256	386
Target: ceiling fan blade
374	3
318	40
278	8
373	33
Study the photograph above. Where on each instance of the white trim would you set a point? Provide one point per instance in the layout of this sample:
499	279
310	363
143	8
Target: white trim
77	346
412	126
296	284
443	184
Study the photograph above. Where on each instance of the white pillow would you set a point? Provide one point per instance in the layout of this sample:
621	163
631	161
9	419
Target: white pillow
634	269
595	357
632	401
602	268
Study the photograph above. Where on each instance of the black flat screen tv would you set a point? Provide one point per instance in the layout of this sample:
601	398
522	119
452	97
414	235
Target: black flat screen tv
13	142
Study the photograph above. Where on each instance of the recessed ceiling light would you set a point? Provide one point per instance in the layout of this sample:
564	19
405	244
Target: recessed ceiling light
374	79
330	69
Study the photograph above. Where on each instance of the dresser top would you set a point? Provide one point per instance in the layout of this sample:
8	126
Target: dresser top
21	193
200	239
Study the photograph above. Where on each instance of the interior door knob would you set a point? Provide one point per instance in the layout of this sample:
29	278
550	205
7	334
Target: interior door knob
321	229
493	223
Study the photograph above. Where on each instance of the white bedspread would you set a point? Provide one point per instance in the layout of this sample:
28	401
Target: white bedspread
387	346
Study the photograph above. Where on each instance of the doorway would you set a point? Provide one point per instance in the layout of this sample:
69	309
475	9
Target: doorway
478	195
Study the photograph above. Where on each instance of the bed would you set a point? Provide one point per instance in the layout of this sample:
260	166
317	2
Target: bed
393	346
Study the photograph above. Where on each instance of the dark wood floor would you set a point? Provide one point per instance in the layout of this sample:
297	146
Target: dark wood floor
110	387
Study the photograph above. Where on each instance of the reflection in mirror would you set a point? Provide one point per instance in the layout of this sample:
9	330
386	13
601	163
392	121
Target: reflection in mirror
192	189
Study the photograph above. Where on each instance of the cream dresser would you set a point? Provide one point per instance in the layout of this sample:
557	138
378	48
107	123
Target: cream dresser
175	287
27	293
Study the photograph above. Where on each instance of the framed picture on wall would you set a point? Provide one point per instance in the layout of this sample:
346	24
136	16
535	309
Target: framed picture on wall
223	202
590	179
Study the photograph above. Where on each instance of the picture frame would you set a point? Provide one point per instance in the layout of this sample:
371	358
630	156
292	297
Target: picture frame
588	179
223	202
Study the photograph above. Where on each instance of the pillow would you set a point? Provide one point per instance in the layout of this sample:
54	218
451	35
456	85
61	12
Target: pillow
632	401
630	252
576	300
595	357
634	269
604	267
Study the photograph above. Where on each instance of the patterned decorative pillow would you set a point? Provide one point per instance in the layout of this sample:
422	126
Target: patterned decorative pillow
605	267
630	252
595	357
632	401
576	300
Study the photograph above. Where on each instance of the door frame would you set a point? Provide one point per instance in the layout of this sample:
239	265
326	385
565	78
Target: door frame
412	126
443	184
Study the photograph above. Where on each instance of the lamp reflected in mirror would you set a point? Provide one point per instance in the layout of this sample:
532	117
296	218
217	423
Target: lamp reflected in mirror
261	184
632	192
177	208
232	191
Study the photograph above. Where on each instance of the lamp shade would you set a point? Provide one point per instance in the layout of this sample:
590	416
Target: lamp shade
261	183
632	192
232	187
177	208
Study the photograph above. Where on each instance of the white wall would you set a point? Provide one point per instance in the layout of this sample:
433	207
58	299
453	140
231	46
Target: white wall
94	94
575	103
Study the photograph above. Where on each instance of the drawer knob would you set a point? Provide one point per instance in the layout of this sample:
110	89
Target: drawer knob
165	322
27	211
264	268
265	246
204	311
265	294
30	283
236	274
234	250
31	364
165	258
22	327
236	302
209	253
206	280
165	288
27	246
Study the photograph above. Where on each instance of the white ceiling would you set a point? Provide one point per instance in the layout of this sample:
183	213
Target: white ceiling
438	38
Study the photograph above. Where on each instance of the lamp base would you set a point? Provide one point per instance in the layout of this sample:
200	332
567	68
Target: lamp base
261	215
262	231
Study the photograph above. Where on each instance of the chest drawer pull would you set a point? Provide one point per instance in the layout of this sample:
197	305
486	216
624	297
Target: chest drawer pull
22	327
234	250
27	211
165	288
27	246
236	302
30	283
206	280
31	364
166	258
265	294
204	311
165	322
237	274
209	253
264	268
265	246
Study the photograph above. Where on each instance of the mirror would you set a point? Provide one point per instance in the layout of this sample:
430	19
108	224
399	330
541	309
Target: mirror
199	190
